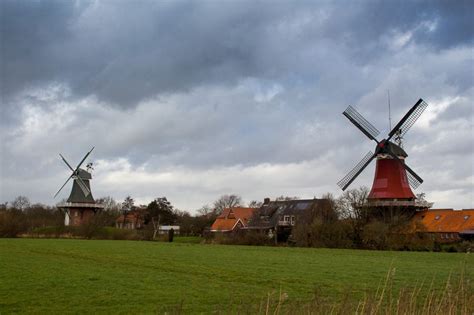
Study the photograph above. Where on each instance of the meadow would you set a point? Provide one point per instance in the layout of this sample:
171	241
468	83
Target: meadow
93	276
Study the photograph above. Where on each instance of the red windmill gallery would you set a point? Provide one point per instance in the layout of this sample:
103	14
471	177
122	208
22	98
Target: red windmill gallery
393	177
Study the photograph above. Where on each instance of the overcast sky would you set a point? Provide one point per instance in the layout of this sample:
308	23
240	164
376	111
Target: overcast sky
195	99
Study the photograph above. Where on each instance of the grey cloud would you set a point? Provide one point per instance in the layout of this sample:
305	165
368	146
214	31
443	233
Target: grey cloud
124	52
199	86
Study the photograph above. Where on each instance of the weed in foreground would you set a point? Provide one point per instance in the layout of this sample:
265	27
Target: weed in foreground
456	297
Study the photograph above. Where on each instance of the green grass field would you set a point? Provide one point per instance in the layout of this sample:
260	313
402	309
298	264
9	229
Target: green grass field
80	276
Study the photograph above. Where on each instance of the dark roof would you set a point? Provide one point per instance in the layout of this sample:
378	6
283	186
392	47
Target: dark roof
397	150
77	195
270	212
84	174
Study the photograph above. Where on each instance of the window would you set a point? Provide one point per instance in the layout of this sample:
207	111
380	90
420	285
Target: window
302	205
286	218
293	220
466	217
76	213
437	217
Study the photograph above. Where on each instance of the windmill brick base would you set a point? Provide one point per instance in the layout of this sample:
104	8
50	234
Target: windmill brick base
76	214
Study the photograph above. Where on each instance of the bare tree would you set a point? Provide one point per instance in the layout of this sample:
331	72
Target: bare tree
204	210
350	203
156	225
227	201
286	198
109	203
255	204
21	203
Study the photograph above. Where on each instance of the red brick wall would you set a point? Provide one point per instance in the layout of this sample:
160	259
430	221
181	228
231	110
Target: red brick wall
80	216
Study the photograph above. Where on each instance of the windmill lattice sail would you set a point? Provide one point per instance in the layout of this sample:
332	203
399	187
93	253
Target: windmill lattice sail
409	119
349	178
360	122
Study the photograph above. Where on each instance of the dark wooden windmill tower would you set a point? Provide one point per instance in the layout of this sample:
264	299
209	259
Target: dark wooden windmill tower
80	206
393	177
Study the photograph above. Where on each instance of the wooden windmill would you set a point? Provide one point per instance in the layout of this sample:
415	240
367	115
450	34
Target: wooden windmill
80	206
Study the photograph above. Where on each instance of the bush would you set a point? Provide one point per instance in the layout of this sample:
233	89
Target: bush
247	237
49	231
375	235
12	223
105	233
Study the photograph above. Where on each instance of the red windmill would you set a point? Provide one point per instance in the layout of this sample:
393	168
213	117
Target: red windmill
393	177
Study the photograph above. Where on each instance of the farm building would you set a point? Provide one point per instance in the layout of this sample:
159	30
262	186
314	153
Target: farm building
447	225
280	216
131	220
135	219
232	219
165	229
285	213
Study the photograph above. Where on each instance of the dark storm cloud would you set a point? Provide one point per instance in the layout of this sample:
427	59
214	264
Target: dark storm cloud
229	95
124	51
29	31
442	24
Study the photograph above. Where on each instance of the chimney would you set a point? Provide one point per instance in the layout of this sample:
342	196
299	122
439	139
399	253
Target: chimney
266	201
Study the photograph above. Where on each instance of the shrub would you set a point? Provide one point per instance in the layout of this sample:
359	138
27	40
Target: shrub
247	237
12	223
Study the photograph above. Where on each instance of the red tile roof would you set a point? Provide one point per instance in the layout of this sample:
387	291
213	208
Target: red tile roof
132	216
446	220
230	218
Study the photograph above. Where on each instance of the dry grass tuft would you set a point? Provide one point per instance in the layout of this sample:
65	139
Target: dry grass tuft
455	297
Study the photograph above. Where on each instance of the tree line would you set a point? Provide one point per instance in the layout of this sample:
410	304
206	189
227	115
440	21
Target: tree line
343	222
21	217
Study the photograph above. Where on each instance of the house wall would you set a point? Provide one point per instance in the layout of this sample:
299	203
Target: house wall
445	237
127	225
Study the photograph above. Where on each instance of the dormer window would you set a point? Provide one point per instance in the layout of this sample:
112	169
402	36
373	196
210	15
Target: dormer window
437	217
466	217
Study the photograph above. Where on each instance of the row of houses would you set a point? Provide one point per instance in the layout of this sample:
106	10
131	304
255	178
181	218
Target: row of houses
279	217
447	225
274	217
444	225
